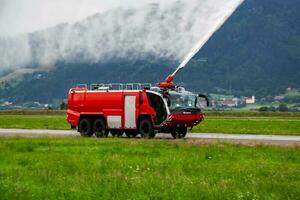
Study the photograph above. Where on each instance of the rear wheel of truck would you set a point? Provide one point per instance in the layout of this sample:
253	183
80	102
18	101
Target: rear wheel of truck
99	128
85	127
146	128
179	132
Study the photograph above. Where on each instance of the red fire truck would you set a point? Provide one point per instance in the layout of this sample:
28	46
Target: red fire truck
133	109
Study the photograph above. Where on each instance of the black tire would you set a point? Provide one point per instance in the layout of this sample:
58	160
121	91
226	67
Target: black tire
131	134
116	133
146	128
99	128
179	132
85	127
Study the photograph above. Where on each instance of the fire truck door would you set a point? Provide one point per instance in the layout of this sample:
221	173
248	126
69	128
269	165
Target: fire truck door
129	109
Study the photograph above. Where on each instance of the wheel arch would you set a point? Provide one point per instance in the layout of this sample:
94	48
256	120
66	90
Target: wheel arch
92	118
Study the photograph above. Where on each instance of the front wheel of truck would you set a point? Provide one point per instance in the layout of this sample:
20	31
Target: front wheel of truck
179	132
146	128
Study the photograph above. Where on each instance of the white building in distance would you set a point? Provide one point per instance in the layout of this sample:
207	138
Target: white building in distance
250	100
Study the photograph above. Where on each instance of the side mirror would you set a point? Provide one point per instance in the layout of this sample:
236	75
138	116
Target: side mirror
205	97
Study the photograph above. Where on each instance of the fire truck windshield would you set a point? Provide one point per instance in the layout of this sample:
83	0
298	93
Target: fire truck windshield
183	101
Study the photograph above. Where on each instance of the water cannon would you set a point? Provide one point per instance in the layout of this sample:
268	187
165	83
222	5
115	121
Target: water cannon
168	84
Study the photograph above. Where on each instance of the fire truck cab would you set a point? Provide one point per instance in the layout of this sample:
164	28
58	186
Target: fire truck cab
133	109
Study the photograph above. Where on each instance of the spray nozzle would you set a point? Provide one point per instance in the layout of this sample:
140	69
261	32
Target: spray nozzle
169	79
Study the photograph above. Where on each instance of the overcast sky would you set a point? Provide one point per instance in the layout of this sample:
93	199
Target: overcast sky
22	16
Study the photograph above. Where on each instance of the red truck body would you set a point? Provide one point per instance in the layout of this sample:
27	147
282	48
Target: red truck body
141	111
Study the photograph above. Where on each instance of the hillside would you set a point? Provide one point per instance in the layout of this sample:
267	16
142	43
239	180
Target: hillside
256	52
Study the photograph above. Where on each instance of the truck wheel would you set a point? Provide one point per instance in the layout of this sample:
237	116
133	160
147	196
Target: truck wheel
146	128
99	128
179	132
85	128
131	134
116	133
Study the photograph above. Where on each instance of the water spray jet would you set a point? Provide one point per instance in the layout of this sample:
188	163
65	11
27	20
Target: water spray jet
169	80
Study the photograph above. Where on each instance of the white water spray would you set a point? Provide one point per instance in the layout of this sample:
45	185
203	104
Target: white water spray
206	37
162	30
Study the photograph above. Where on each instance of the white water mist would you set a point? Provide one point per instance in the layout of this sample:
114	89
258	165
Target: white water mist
168	30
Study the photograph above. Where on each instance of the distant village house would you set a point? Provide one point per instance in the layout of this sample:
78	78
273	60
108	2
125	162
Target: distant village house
250	100
279	99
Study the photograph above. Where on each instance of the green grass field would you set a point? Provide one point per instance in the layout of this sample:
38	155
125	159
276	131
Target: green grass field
55	122
243	123
80	168
250	125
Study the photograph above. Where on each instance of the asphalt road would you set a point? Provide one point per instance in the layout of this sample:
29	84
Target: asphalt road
211	137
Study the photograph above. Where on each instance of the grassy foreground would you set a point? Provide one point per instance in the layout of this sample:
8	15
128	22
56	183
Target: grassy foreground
78	168
243	123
